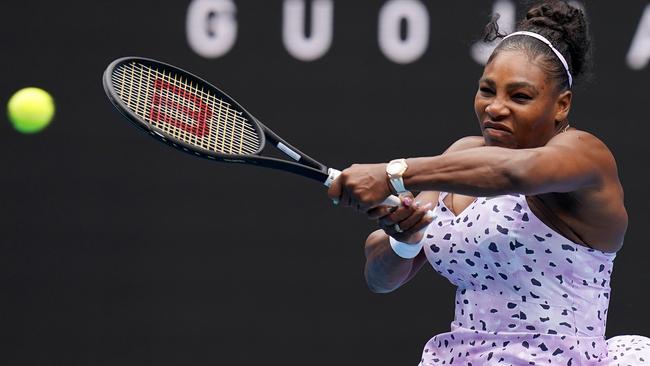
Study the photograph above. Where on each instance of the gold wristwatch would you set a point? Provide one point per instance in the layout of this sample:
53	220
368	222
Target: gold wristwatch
395	169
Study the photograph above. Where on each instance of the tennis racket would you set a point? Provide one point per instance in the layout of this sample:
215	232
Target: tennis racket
190	114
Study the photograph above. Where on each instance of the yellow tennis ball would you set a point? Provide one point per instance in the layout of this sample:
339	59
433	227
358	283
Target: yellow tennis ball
30	110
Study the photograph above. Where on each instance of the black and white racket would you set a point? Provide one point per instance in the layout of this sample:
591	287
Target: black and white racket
192	115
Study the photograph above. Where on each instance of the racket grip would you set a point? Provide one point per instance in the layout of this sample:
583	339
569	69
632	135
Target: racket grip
332	174
392	200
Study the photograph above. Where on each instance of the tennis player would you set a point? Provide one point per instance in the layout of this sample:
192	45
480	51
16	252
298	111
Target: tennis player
525	220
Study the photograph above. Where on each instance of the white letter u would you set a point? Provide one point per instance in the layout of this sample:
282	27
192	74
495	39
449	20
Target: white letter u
293	35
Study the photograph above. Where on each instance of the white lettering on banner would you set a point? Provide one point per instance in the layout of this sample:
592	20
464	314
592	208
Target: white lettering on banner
296	42
211	27
416	17
481	51
639	54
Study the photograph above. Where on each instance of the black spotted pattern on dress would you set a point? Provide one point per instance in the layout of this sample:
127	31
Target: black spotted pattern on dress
526	295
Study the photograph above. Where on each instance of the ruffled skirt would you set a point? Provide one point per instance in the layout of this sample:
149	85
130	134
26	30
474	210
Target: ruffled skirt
468	347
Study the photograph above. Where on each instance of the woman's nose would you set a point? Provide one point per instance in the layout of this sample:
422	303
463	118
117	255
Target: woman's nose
497	109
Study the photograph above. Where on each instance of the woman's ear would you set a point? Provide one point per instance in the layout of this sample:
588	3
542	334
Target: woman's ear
563	105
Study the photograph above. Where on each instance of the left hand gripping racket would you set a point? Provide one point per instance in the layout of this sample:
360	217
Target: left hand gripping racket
192	115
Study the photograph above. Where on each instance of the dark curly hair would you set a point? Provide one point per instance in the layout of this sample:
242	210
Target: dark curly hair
563	25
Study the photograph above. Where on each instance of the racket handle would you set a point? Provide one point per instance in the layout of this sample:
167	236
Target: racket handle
392	200
332	174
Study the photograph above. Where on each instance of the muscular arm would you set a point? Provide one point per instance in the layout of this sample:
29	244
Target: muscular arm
385	271
569	162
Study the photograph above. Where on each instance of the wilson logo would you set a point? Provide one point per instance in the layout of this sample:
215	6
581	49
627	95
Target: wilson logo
179	108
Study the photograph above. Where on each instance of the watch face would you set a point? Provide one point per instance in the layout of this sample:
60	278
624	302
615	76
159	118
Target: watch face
394	168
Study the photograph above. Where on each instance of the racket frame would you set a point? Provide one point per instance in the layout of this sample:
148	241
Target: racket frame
308	166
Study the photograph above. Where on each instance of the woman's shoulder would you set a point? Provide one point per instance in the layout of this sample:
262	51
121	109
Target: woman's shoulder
583	143
573	135
603	201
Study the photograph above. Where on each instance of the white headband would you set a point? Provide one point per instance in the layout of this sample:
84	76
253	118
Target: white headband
548	43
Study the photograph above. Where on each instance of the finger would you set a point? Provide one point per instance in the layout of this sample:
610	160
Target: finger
399	215
393	230
406	195
390	200
426	220
405	210
416	232
378	212
418	215
388	225
345	199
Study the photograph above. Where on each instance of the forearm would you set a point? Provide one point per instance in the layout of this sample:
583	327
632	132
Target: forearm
385	271
480	171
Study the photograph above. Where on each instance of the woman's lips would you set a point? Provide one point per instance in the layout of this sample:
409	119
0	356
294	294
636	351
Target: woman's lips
496	127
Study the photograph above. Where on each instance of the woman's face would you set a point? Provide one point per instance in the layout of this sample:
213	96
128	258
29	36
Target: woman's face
516	104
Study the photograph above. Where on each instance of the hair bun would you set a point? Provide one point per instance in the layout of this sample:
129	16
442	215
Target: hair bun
565	26
553	14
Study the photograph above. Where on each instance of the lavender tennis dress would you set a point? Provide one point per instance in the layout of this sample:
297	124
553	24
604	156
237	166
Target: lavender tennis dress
526	295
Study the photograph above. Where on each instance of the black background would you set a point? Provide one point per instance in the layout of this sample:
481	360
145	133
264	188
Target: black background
115	249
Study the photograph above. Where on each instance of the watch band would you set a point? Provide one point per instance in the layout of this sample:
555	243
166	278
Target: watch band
398	185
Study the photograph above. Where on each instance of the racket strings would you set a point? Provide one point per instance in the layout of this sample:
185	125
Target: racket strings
184	109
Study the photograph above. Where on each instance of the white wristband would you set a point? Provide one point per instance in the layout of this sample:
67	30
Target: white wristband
405	250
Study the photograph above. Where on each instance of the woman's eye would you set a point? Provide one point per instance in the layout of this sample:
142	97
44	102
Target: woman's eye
522	96
485	90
